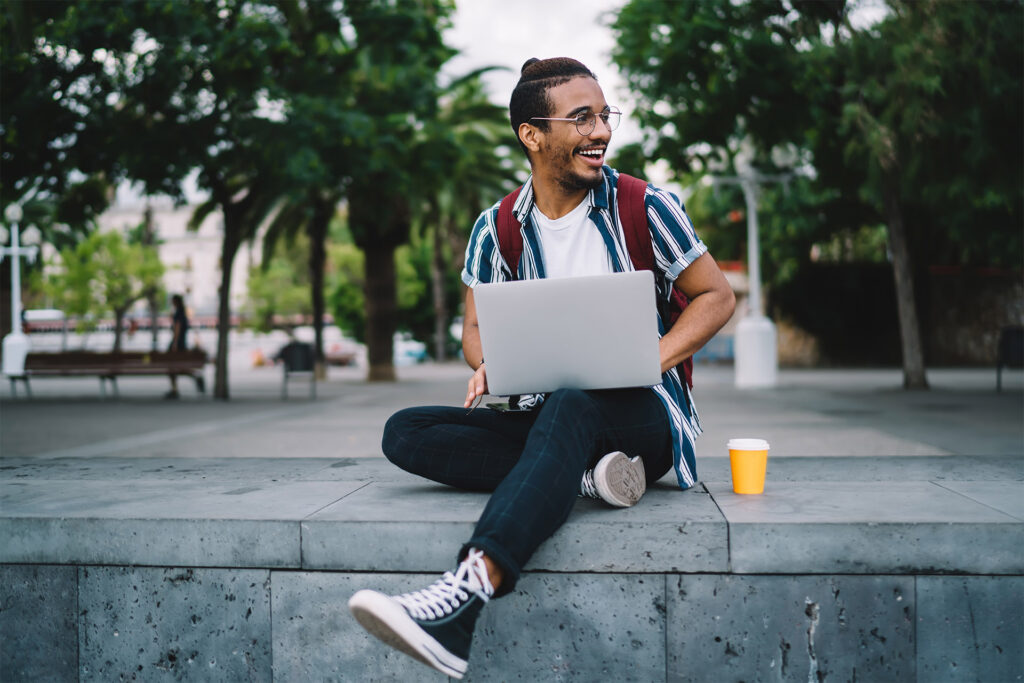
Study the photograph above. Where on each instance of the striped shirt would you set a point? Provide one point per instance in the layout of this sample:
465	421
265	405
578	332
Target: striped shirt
676	246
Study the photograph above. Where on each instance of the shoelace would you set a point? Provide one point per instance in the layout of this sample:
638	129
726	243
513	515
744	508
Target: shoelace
446	594
588	489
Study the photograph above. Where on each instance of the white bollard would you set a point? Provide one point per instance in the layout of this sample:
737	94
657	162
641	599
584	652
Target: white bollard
757	357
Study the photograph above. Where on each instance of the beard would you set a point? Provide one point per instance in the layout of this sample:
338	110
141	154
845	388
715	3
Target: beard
569	179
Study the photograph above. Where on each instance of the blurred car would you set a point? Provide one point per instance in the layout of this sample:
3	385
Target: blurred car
343	351
408	351
338	349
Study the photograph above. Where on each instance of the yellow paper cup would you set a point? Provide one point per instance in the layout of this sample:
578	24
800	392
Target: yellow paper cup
749	461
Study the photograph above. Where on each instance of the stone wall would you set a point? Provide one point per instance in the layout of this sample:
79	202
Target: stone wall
103	623
845	315
967	309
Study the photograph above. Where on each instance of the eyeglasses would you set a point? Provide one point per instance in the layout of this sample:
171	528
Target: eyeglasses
586	121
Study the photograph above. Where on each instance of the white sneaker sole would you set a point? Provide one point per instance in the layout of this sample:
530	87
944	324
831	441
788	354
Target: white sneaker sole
620	480
388	621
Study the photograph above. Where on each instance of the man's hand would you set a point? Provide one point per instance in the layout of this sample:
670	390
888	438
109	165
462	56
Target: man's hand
477	385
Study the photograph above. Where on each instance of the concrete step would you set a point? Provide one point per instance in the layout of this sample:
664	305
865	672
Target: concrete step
360	517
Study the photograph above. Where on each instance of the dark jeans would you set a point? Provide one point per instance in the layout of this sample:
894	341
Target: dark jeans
533	461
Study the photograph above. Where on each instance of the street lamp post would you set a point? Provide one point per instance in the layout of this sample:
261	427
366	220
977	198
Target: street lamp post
16	344
757	354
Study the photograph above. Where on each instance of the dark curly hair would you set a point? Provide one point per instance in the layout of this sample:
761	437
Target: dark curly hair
530	96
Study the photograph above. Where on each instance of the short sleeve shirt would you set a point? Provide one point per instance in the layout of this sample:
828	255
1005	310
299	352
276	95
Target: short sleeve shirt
676	246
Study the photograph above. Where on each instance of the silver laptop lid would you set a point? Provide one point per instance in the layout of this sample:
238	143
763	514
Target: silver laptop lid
593	332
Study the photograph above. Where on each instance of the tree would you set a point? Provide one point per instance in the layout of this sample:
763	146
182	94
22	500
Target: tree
48	157
464	156
190	82
404	52
104	273
150	91
270	100
933	82
881	113
354	91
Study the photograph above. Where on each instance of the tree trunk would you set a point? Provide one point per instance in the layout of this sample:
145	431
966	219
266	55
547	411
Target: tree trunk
906	304
381	319
322	213
229	247
118	328
149	239
153	328
437	272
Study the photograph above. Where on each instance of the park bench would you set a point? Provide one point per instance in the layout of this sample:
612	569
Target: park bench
109	366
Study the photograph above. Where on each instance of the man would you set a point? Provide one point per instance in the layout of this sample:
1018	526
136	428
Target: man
538	459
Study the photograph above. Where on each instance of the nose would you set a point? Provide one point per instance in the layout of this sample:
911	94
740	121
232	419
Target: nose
600	126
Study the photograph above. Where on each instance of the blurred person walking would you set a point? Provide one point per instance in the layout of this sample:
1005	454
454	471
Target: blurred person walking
179	338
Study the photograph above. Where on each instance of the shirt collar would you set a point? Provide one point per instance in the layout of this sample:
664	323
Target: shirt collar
598	197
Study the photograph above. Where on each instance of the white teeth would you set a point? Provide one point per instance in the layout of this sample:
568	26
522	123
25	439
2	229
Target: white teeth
592	152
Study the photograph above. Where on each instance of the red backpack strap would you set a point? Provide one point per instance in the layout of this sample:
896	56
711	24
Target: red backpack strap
633	214
510	239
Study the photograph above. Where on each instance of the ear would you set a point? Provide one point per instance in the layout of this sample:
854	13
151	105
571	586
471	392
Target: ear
531	136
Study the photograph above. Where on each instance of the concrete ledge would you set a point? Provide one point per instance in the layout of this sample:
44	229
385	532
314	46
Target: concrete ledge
199	571
874	528
418	527
367	516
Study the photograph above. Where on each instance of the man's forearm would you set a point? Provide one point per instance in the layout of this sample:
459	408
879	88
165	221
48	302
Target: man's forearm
471	348
698	323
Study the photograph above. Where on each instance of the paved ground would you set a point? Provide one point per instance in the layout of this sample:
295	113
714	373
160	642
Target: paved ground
810	413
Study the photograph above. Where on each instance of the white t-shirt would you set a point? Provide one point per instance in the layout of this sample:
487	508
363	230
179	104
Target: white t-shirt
572	245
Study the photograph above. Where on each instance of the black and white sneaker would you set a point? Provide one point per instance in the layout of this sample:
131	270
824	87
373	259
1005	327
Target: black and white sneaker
616	479
434	625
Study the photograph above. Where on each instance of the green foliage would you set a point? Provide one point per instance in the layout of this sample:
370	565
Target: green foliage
720	217
346	282
708	73
631	159
933	100
285	108
929	98
103	274
279	288
345	286
42	82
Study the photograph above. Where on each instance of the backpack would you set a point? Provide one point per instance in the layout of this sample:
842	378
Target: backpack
633	214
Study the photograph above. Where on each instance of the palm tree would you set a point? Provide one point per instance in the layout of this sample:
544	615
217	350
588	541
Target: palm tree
464	155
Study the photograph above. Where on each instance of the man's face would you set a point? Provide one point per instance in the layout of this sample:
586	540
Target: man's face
574	161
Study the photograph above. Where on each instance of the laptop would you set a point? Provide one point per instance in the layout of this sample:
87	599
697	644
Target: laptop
592	332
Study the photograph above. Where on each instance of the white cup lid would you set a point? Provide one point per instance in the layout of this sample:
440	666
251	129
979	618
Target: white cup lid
747	445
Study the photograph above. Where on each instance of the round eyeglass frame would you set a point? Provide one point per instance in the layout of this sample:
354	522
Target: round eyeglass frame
586	121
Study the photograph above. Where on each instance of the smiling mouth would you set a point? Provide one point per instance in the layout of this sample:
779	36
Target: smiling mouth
592	153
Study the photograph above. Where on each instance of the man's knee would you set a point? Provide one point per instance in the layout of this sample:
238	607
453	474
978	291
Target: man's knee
399	430
570	412
570	406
